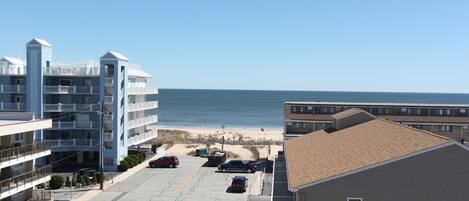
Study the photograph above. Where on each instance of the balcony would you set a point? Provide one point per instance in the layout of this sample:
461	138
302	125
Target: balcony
108	118
108	81
24	181
91	125
107	136
16	155
132	107
142	121
12	107
142	137
108	100
13	70
142	90
74	144
12	88
71	90
71	107
85	69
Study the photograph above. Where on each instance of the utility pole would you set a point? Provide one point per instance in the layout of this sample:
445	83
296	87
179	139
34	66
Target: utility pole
101	154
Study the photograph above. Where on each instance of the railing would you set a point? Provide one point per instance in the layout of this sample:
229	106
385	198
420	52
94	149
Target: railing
8	106
21	151
74	143
90	68
71	107
12	88
108	99
108	81
71	90
12	70
142	90
75	125
142	137
24	179
142	121
142	106
107	136
108	118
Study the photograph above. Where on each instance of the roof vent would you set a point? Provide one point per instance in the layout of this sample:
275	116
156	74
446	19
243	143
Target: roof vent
350	118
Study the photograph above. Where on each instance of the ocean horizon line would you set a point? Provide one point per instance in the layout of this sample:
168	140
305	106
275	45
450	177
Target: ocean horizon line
321	91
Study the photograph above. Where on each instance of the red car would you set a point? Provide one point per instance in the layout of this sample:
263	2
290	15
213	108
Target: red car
166	161
239	184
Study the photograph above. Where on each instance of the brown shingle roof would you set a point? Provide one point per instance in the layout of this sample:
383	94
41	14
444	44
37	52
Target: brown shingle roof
349	112
320	155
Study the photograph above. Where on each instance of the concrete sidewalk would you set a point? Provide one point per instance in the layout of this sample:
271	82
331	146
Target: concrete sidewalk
121	177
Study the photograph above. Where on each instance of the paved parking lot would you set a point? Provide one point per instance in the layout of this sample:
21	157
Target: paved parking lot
190	181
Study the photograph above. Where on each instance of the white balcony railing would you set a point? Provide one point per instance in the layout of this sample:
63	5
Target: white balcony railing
89	68
13	185
71	107
74	144
142	121
142	137
8	106
12	88
142	90
108	100
107	136
75	125
108	118
108	81
13	70
71	90
132	107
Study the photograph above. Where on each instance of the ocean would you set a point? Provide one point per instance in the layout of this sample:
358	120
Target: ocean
264	109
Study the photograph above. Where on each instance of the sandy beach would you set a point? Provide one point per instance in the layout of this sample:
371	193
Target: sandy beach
233	133
239	141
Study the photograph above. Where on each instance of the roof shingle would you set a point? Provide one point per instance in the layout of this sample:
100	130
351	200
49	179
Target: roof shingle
321	155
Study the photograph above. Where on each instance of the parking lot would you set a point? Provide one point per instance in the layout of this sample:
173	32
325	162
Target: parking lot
190	181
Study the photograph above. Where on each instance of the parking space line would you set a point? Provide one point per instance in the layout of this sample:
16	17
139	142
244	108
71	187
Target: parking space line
187	180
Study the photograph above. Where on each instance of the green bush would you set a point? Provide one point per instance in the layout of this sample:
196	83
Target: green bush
74	182
86	180
131	160
123	166
79	179
56	182
67	182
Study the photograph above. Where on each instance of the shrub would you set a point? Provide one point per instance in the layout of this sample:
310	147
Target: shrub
79	179
123	166
131	160
74	182
56	182
67	182
87	180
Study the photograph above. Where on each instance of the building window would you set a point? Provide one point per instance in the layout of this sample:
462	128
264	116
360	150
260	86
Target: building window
19	81
48	64
18	99
354	199
446	128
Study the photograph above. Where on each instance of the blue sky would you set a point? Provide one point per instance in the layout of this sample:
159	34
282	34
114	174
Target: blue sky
330	45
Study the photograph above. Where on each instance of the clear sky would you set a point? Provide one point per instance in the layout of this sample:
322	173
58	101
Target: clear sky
330	45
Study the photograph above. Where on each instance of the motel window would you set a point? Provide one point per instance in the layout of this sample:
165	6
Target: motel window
354	199
446	128
47	63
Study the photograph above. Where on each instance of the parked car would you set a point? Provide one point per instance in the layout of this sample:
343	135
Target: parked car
166	161
216	158
239	184
86	172
237	166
